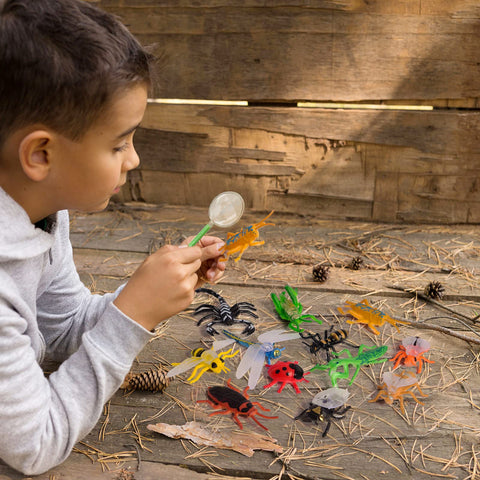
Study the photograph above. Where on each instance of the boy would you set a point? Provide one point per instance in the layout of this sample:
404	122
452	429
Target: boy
73	89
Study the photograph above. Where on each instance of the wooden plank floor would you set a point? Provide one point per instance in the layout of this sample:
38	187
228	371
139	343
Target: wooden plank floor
438	439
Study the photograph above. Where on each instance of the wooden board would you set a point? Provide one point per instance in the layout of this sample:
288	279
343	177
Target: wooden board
80	467
293	50
301	240
374	440
357	164
374	165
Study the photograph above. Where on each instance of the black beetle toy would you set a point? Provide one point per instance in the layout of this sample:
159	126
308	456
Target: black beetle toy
326	406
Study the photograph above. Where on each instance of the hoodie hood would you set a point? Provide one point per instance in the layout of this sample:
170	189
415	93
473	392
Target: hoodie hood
19	238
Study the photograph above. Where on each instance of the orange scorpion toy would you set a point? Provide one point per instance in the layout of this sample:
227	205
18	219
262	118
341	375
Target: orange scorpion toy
240	241
363	312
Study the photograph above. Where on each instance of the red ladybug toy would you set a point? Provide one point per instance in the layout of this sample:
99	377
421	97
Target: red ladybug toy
286	372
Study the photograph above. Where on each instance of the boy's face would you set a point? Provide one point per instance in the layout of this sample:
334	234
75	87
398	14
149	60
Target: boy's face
93	169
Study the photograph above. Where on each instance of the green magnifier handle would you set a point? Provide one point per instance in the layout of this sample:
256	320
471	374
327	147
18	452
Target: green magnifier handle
200	234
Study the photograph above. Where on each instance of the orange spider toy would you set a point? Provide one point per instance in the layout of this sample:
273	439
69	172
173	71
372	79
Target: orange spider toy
240	241
395	386
364	313
411	353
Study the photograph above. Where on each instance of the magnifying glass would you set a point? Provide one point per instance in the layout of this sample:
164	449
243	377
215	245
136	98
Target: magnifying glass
225	210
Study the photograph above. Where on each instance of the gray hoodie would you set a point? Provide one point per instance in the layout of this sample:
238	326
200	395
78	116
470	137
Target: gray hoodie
45	309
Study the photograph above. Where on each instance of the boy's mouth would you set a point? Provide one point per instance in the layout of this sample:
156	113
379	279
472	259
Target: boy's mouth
119	187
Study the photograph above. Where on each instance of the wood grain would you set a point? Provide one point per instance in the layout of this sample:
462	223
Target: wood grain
289	51
373	165
357	164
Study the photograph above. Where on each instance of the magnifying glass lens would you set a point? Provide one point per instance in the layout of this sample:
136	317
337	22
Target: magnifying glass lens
226	209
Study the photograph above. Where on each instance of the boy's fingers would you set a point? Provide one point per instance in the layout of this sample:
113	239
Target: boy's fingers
217	265
213	275
205	241
188	254
212	251
209	240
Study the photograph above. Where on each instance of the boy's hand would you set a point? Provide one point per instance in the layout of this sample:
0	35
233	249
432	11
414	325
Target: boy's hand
211	269
165	283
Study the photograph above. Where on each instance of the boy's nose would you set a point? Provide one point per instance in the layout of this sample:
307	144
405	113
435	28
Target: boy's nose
132	161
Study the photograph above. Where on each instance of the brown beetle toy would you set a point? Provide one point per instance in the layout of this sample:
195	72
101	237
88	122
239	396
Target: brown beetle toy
228	399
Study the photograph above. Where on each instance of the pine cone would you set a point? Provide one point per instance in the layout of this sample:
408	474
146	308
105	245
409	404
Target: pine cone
434	290
320	272
153	380
356	263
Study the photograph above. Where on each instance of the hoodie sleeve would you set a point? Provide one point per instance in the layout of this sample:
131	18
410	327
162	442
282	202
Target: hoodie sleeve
42	418
65	308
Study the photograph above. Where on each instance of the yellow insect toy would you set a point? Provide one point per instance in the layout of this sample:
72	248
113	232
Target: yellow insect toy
202	360
246	237
364	313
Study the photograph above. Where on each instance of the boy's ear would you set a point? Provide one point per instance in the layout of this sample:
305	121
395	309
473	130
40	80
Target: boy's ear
35	154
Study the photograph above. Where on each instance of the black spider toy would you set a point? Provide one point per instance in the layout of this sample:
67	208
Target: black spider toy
327	343
326	406
224	313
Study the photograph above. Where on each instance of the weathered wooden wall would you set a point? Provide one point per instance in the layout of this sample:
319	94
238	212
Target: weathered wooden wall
385	165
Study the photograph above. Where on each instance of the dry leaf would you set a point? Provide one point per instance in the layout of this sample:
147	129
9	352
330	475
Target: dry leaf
241	442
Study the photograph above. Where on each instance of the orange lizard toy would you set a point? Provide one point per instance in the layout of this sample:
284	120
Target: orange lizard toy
364	313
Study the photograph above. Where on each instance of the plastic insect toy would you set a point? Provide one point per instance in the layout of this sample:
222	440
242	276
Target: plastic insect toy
395	386
228	399
290	309
325	407
247	237
411	353
364	313
366	356
201	361
286	373
327	343
257	353
224	313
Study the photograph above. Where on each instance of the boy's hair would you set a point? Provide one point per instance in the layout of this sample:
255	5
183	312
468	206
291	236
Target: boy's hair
61	62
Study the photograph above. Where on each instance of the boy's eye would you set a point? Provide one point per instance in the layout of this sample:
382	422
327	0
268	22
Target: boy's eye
121	148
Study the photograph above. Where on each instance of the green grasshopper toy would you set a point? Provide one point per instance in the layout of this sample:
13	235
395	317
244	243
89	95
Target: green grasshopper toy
290	309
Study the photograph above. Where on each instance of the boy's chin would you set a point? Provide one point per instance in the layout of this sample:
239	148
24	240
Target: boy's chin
96	208
101	207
